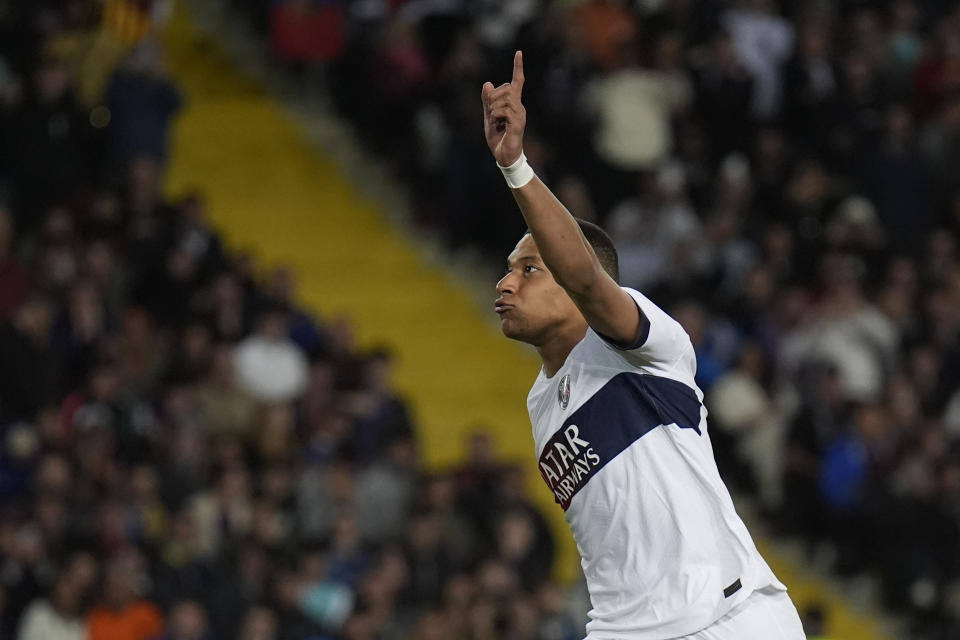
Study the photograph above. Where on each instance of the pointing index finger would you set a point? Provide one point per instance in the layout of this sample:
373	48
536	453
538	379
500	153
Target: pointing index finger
517	80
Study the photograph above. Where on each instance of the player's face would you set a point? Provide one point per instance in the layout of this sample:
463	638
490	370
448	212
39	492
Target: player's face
530	303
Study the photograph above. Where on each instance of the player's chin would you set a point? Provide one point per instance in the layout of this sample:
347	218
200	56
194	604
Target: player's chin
516	328
513	328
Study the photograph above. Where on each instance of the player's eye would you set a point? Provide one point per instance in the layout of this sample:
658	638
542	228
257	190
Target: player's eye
530	268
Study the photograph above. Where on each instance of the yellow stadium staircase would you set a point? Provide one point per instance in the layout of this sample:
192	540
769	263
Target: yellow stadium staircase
270	190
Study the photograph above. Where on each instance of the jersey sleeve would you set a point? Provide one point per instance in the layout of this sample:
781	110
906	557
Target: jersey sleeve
660	341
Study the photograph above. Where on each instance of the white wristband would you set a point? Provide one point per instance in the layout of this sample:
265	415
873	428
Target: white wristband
519	173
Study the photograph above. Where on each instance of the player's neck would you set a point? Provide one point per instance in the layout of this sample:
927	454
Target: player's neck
555	349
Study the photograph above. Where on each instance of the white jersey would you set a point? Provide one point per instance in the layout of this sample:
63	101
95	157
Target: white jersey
621	437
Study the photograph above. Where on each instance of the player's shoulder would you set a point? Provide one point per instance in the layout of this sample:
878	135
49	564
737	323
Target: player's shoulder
662	348
648	306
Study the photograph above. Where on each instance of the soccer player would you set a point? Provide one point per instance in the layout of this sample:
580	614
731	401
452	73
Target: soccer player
620	428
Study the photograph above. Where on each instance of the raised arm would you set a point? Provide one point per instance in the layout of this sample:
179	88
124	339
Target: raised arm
565	251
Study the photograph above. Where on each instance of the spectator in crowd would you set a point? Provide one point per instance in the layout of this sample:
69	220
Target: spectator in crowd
50	133
188	621
764	40
14	277
634	106
141	102
28	369
260	623
307	33
123	614
749	420
269	365
723	94
62	616
655	230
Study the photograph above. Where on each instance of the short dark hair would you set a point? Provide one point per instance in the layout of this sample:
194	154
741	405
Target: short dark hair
602	246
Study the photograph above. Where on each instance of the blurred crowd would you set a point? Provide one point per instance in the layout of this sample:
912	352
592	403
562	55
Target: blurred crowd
784	177
186	453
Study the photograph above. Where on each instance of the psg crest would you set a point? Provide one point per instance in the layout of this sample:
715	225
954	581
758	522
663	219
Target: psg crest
563	391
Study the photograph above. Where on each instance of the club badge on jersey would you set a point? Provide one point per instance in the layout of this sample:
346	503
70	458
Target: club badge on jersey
563	391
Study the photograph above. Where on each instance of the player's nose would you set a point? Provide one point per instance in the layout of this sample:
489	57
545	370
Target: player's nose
506	285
